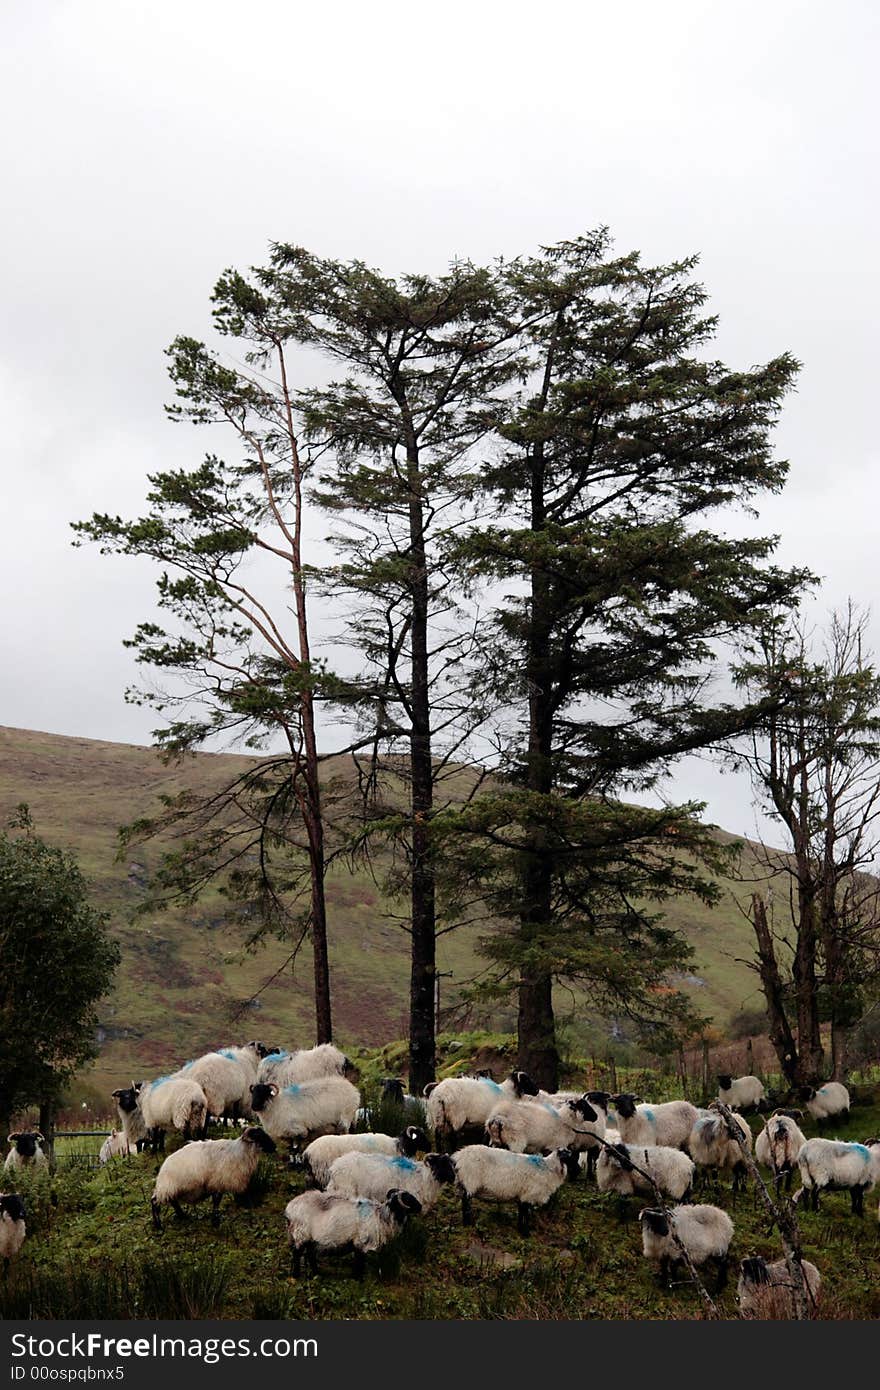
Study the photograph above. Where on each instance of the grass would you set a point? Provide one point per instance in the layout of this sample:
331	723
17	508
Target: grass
90	1251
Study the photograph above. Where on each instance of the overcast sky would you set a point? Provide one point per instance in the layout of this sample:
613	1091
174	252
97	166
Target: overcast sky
147	147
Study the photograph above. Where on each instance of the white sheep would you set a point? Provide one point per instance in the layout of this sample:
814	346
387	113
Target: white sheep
325	1221
373	1175
131	1115
497	1175
599	1102
12	1226
225	1079
766	1291
529	1126
208	1168
321	1153
778	1145
282	1068
172	1102
833	1164
115	1146
26	1151
303	1110
829	1102
741	1092
668	1124
704	1231
460	1103
711	1145
671	1170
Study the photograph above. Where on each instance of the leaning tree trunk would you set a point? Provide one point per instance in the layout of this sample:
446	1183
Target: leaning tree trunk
781	1035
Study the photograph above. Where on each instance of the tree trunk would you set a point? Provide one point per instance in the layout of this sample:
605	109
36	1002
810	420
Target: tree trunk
771	981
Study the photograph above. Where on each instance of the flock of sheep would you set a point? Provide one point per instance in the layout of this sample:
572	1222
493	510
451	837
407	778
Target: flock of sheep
364	1186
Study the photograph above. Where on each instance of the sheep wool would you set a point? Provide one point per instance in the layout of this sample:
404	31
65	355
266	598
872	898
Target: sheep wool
373	1176
668	1125
466	1102
173	1102
704	1231
711	1145
304	1110
530	1126
310	1064
766	1291
26	1151
778	1146
114	1146
130	1114
225	1080
326	1221
209	1168
826	1103
12	1225
833	1164
671	1170
497	1175
322	1153
741	1092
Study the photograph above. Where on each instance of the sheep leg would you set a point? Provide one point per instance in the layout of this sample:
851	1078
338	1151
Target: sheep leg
857	1198
157	1220
360	1264
664	1270
178	1210
467	1211
216	1199
522	1218
722	1275
296	1258
312	1256
815	1194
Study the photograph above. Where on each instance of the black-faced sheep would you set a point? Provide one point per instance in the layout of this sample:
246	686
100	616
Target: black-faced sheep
373	1175
766	1291
26	1151
778	1146
711	1145
324	1221
131	1115
280	1068
497	1175
829	1102
740	1092
209	1168
704	1231
827	1164
12	1226
671	1170
321	1153
667	1125
530	1126
172	1102
461	1103
304	1110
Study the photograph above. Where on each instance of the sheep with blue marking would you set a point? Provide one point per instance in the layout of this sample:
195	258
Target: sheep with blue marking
740	1092
830	1164
599	1100
766	1291
668	1125
460	1103
778	1145
12	1226
318	1156
327	1221
172	1102
704	1231
372	1175
225	1079
498	1175
304	1110
670	1169
711	1145
282	1068
829	1102
530	1126
26	1152
211	1168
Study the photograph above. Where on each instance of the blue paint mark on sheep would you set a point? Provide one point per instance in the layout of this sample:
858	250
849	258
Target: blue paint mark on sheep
649	1116
230	1056
863	1152
535	1159
405	1165
493	1085
160	1081
291	1090
274	1057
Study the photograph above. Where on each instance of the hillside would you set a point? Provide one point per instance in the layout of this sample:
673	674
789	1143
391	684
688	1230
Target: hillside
185	981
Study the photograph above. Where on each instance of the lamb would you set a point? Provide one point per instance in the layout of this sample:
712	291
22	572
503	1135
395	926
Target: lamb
304	1110
208	1168
12	1227
373	1175
704	1231
830	1163
672	1171
321	1153
114	1146
497	1175
740	1093
527	1126
711	1145
463	1102
668	1125
778	1145
26	1151
131	1115
831	1101
311	1064
325	1221
172	1102
767	1291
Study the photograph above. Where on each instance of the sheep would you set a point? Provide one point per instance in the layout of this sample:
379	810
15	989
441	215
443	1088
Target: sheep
830	1163
131	1115
321	1153
704	1231
304	1110
208	1168
372	1175
463	1102
766	1291
711	1145
740	1093
114	1146
172	1102
325	1221
12	1227
671	1170
599	1101
829	1102
26	1151
668	1125
497	1175
282	1068
224	1078
778	1145
526	1126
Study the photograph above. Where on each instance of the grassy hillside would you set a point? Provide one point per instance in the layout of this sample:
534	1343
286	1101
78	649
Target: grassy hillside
185	981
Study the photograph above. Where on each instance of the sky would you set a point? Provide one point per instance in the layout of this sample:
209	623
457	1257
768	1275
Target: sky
149	147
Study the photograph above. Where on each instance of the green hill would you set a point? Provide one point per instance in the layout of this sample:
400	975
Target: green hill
186	984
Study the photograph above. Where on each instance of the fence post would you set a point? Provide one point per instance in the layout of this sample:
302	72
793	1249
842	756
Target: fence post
47	1129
